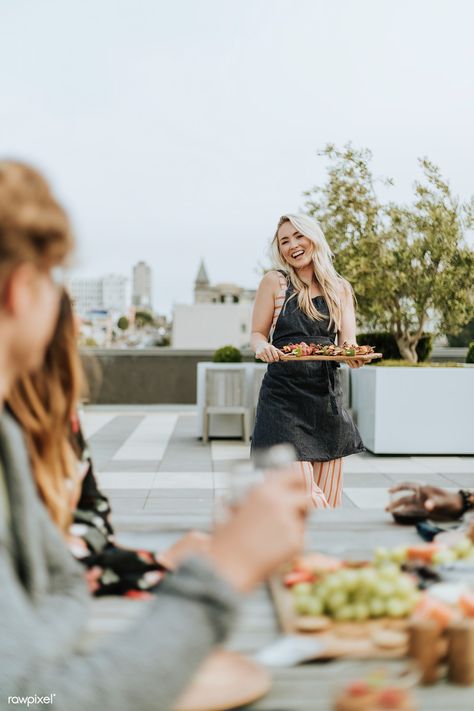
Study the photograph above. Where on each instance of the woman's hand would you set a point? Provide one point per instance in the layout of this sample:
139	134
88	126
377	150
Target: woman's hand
268	353
264	532
77	546
93	576
355	363
438	503
193	543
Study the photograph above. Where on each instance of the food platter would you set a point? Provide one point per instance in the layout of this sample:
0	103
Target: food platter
352	608
381	638
338	359
370	608
328	351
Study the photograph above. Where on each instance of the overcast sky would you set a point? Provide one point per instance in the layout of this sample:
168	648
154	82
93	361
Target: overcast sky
180	129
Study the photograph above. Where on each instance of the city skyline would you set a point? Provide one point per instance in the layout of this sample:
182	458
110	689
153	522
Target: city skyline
184	131
107	291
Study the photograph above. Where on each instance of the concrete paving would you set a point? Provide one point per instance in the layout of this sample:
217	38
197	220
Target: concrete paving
149	461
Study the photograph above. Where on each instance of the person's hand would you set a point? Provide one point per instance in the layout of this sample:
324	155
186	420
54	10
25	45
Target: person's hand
77	546
194	542
93	576
438	503
355	363
268	353
264	532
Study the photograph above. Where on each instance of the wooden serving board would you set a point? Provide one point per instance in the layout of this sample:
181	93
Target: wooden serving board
339	359
342	639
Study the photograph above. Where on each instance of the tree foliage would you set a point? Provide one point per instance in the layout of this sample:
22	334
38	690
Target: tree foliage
143	318
410	265
123	323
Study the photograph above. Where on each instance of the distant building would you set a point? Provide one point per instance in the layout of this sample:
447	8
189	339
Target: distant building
224	293
96	328
210	326
108	292
87	294
114	293
142	286
221	315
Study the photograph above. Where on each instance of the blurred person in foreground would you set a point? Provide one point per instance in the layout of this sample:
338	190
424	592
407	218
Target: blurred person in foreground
44	404
43	600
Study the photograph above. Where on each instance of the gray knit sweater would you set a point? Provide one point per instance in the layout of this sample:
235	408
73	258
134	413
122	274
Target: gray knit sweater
43	609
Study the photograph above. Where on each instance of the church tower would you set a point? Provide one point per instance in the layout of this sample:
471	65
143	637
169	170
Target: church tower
202	287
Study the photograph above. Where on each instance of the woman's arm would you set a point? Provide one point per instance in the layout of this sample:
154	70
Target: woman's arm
347	330
262	318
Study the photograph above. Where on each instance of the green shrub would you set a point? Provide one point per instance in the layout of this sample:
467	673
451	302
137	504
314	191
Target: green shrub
143	318
227	354
164	342
464	337
123	323
470	353
424	347
385	343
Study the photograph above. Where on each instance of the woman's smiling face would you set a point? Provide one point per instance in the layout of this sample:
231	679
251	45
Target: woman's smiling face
295	248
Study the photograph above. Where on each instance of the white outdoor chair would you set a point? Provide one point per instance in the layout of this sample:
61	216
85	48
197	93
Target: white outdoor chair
225	395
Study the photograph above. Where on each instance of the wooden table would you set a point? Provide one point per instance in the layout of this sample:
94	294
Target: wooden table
352	533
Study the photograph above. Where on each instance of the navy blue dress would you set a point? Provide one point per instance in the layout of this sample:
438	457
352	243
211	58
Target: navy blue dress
301	403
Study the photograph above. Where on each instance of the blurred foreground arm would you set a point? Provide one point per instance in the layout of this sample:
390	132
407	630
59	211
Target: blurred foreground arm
148	665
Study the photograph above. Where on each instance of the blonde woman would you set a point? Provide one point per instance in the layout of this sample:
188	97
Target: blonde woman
305	299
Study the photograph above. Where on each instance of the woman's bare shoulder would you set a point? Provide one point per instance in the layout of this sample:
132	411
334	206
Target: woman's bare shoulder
271	279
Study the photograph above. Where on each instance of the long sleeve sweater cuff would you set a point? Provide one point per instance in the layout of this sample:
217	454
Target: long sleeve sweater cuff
197	579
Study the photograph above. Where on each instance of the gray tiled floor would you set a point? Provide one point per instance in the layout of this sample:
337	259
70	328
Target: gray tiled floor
132	465
178	488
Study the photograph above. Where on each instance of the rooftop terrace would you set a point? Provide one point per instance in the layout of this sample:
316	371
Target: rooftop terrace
162	480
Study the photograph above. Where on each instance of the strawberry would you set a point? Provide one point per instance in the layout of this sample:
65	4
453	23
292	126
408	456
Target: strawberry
358	688
391	698
299	576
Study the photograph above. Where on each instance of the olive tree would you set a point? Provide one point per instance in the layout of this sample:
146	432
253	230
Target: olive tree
410	265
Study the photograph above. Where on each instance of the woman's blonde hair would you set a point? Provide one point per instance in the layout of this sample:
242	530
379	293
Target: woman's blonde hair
43	404
332	284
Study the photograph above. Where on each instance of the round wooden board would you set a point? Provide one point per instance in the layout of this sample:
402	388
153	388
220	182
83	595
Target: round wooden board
338	359
226	680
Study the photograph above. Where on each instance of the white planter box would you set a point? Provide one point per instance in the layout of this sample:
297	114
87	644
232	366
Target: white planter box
415	410
225	425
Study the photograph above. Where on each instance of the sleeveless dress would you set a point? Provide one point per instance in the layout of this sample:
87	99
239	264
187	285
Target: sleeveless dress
302	403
